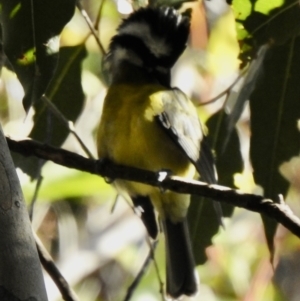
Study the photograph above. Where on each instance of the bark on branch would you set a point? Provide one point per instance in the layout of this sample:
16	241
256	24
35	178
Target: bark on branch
21	275
275	209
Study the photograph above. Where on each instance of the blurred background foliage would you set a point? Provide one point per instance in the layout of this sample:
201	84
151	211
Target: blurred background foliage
239	51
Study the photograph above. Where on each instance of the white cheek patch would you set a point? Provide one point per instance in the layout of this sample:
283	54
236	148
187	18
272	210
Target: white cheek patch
155	44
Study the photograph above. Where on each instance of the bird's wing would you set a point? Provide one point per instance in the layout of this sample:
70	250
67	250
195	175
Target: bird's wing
180	121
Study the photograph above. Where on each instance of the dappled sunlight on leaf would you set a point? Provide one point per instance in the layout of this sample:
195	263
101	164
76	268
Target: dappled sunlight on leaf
27	58
245	182
265	7
27	27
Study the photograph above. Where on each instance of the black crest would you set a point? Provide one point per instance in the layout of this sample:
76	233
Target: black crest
158	36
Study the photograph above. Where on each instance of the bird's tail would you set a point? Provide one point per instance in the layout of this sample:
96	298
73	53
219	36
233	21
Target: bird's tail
181	275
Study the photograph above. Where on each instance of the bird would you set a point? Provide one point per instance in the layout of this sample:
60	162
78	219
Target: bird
148	124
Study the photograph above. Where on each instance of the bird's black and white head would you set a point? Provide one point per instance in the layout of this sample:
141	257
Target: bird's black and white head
151	39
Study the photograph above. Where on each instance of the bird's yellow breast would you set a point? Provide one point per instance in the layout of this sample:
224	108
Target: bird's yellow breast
129	134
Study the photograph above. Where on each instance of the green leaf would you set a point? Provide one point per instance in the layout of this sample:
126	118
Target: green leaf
275	111
265	6
281	24
202	218
250	81
229	161
29	38
203	225
65	92
284	22
244	8
241	8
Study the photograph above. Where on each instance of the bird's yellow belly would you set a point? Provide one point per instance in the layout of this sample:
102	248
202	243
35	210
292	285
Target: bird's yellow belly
133	140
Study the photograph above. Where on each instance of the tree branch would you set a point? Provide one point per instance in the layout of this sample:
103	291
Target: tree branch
279	211
47	262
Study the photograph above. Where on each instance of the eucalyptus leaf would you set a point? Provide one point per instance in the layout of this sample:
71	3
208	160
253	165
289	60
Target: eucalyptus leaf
202	218
275	111
250	81
30	32
203	225
229	159
65	92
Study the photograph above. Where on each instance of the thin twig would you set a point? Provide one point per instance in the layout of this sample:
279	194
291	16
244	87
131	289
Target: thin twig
91	27
226	91
141	273
68	124
160	282
48	264
152	247
36	191
98	18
